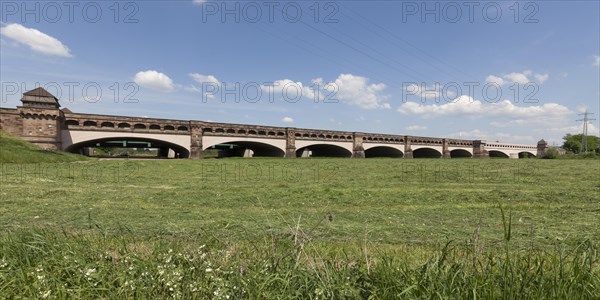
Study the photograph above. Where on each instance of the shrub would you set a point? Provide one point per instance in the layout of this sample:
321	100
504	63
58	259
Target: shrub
551	153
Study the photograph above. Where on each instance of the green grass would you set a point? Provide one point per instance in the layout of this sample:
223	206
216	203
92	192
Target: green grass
16	150
301	228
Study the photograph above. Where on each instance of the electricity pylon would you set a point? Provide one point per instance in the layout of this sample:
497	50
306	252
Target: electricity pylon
584	140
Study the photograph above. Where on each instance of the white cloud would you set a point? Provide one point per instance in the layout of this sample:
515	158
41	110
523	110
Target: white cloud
288	89
287	120
465	105
541	78
199	1
520	78
415	128
199	78
356	90
348	88
154	80
460	106
208	80
517	77
574	129
597	60
35	39
494	79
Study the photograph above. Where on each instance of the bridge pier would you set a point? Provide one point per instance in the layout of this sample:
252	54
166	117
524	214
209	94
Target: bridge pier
479	149
196	151
290	143
358	151
408	153
445	150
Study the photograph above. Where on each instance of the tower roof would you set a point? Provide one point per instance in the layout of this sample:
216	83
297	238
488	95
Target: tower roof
39	96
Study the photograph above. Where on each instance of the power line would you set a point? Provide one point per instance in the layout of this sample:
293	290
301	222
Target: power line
584	140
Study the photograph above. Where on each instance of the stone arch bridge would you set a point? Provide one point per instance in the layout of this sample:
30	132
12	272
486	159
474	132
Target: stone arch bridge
41	121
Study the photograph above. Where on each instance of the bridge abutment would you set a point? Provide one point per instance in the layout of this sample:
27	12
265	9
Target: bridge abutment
542	148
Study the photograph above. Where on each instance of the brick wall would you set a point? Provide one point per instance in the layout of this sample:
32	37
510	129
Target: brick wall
10	121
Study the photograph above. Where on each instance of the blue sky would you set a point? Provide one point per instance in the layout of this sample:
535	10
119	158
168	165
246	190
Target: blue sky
379	66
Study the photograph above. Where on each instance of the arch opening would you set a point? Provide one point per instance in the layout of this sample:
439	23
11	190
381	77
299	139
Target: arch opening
243	149
382	151
526	154
323	150
460	153
497	154
125	147
426	153
72	123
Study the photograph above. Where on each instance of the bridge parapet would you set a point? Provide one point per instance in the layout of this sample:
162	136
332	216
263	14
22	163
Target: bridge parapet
497	145
225	129
324	135
460	143
383	138
92	122
420	140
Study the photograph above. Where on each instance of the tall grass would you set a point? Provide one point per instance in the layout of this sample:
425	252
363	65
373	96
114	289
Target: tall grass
96	264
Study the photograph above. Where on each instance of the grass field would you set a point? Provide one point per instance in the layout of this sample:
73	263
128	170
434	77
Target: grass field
301	228
15	150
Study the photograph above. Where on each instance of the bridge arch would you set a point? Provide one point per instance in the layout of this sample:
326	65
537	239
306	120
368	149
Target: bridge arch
460	153
498	154
178	151
245	146
247	149
426	152
383	151
526	154
76	140
323	150
309	148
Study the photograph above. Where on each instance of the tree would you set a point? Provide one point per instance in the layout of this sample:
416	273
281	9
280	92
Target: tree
573	143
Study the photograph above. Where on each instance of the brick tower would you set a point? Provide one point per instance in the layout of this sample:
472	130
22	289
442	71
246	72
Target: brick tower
41	119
